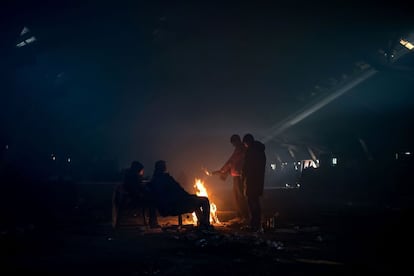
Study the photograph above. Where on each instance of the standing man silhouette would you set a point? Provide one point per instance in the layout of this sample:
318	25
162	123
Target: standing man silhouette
254	174
234	166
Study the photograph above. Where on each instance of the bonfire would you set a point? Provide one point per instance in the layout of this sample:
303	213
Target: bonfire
202	191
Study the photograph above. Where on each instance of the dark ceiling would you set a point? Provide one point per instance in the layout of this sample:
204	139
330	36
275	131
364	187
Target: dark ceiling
161	73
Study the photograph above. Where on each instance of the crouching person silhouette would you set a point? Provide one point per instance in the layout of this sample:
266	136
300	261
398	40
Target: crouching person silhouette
171	198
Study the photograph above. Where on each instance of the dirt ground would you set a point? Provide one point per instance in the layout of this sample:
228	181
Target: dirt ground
304	240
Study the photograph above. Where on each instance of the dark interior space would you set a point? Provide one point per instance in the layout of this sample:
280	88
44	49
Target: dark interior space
87	87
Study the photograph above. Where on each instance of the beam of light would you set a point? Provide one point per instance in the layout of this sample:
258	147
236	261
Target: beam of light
307	111
311	153
30	40
292	153
296	117
21	44
365	148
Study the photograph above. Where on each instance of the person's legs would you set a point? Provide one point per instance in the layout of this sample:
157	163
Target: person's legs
201	206
239	198
153	219
255	212
147	201
205	207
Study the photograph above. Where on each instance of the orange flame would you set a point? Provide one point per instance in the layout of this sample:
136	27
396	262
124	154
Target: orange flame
202	191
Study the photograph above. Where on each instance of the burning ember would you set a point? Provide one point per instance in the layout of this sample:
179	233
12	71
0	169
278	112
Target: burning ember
206	171
202	191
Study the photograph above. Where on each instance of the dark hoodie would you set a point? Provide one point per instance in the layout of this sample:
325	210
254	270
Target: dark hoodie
133	182
254	168
167	191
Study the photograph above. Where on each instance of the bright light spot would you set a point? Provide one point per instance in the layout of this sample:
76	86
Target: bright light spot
26	42
334	161
407	153
286	185
273	166
69	160
24	31
406	44
309	164
53	158
396	156
298	185
298	162
206	171
30	40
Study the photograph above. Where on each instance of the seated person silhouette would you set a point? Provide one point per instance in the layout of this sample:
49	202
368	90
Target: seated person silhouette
137	191
172	199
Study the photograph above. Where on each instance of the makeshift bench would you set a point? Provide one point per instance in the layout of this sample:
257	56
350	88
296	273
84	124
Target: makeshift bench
122	203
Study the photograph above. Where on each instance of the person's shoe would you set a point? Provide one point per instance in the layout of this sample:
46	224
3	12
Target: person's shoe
207	228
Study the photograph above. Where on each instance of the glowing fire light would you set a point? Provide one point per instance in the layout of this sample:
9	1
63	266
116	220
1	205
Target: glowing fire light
206	171
202	191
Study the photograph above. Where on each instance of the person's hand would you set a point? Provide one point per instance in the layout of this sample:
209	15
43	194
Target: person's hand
223	176
218	172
